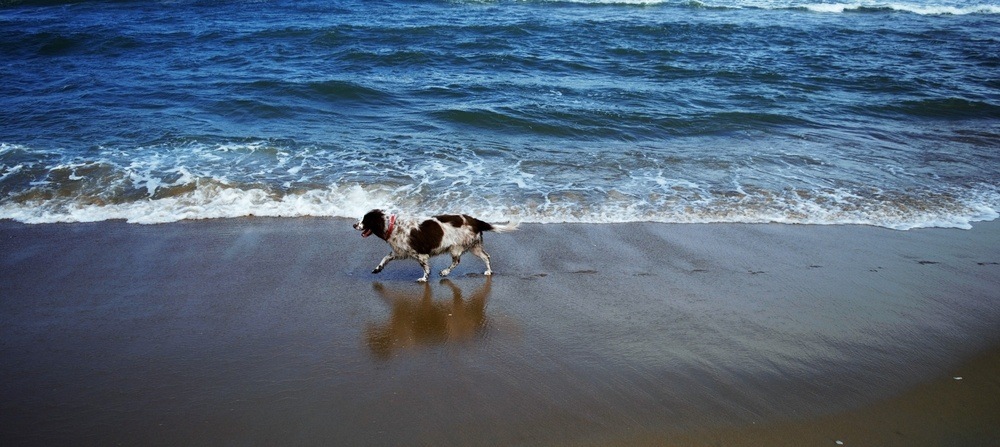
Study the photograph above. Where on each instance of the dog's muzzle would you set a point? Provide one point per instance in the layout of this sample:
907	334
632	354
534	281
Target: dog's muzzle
364	232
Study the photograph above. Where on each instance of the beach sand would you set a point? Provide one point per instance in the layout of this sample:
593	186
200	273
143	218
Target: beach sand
274	332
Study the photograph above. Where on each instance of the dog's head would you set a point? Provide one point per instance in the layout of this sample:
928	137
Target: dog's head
374	222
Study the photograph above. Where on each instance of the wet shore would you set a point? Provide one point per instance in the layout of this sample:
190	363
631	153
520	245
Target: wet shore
274	331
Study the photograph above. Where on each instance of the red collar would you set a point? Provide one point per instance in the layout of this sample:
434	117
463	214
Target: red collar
392	225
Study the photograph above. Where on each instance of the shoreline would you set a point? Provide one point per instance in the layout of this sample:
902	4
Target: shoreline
273	330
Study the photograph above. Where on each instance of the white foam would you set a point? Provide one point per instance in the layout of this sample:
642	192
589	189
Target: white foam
213	199
830	7
204	202
615	2
7	172
187	182
921	9
7	147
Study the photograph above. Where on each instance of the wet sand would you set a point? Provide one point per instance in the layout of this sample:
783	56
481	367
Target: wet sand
274	331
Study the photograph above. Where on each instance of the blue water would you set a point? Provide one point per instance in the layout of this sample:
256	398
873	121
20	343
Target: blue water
793	111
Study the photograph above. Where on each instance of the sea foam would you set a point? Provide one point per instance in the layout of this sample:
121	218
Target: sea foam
212	199
921	9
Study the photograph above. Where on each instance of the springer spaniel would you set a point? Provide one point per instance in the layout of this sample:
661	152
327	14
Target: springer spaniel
421	239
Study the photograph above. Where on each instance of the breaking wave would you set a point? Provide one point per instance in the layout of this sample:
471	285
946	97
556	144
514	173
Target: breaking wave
40	189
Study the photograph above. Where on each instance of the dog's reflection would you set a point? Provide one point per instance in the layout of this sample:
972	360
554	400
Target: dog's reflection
417	319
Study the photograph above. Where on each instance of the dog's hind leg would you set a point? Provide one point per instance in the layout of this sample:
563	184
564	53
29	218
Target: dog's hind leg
482	254
455	259
424	261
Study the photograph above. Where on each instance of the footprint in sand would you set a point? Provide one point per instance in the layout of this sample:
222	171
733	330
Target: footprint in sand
535	276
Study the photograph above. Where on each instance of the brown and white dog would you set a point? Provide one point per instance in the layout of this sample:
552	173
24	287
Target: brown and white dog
422	238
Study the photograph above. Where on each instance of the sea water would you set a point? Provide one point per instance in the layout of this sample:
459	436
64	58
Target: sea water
870	112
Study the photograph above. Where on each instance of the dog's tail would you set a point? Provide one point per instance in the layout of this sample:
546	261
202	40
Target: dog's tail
508	227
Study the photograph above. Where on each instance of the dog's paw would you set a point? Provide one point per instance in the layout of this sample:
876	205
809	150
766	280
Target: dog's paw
445	272
422	280
488	273
377	269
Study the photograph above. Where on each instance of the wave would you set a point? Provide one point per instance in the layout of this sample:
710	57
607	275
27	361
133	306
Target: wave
508	120
187	197
589	118
945	108
921	9
67	43
613	2
334	90
206	178
943	8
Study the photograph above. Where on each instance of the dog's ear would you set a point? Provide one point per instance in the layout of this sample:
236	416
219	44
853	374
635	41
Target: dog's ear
375	222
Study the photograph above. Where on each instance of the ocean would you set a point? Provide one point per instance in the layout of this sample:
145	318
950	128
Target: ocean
883	113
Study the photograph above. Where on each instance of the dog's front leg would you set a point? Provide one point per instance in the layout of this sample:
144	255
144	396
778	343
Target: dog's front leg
385	260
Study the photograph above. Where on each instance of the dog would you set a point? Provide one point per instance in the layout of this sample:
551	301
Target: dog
422	238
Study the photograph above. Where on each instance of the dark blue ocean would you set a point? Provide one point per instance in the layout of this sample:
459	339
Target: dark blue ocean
869	112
